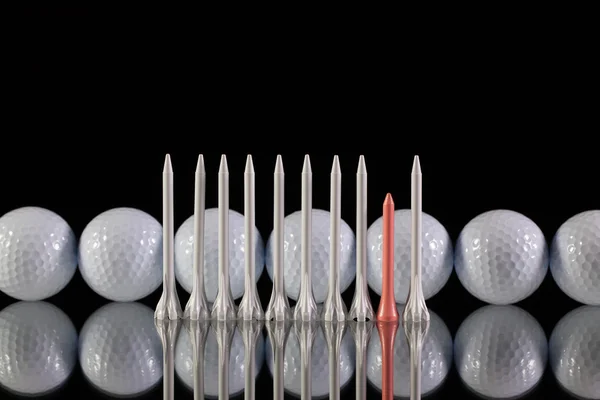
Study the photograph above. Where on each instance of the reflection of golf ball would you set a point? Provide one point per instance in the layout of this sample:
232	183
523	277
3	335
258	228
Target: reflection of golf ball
120	351
436	358
319	255
38	253
575	257
500	351
438	257
184	361
120	254
575	352
292	364
184	251
501	257
38	345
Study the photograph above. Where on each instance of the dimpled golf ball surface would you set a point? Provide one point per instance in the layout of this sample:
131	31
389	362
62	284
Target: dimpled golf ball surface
501	257
38	253
184	360
319	255
437	255
575	257
184	253
500	351
575	352
292	362
120	351
120	254
38	344
436	358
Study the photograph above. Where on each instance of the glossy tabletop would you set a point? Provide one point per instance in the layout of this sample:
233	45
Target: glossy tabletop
532	350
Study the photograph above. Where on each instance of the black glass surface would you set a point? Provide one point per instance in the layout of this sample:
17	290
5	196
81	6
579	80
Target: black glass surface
440	368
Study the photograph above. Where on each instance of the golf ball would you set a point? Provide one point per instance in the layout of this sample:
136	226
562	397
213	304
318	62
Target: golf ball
437	255
184	252
501	257
319	255
575	257
575	352
38	253
38	344
120	254
120	351
500	351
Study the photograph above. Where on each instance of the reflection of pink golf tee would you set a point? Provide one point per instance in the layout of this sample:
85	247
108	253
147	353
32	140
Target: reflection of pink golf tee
387	336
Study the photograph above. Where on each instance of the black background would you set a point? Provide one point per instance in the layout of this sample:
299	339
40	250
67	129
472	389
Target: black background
94	101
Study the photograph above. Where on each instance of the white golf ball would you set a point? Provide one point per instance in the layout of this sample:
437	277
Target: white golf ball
501	257
120	351
184	361
38	253
436	358
319	255
120	254
184	252
575	257
500	352
38	345
437	255
575	352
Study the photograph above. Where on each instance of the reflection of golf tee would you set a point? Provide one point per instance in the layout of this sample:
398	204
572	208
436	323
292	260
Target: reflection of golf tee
224	331
387	337
334	332
168	331
198	331
251	330
415	334
306	332
278	331
361	331
387	304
